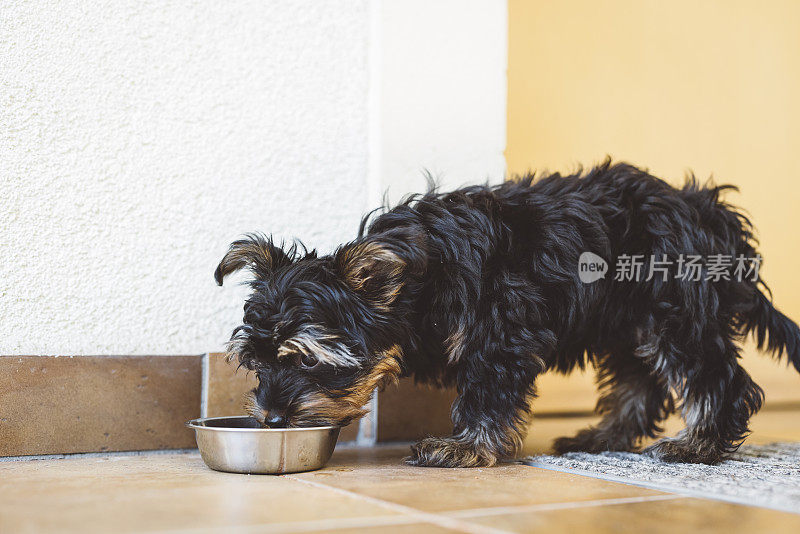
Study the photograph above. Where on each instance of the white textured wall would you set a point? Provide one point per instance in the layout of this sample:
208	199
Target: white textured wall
137	139
442	93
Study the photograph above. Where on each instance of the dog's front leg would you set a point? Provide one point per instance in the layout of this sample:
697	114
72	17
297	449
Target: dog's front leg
490	417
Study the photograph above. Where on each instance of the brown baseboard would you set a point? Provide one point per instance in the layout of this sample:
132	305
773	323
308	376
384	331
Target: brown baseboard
409	411
62	405
227	387
65	405
78	404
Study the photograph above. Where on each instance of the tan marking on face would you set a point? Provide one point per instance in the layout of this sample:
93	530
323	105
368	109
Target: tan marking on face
253	409
348	404
313	341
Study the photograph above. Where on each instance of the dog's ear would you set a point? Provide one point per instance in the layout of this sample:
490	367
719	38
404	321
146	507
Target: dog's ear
257	252
378	267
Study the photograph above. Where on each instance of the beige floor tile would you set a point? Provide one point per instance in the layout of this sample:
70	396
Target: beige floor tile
158	492
668	517
411	528
381	474
354	457
169	492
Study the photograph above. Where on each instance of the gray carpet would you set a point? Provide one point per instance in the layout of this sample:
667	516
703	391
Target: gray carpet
758	475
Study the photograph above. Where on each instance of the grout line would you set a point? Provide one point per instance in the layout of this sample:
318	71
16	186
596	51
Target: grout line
407	519
352	444
368	425
659	487
306	526
504	76
374	138
344	523
503	510
204	385
427	517
94	455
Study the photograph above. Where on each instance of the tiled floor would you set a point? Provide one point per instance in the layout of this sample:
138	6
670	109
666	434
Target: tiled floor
361	490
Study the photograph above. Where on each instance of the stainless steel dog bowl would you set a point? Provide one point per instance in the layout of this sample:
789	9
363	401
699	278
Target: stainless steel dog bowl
241	445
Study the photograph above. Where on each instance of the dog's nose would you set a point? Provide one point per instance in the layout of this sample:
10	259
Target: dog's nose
275	420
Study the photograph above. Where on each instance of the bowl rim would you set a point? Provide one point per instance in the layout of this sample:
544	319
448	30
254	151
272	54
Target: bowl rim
196	424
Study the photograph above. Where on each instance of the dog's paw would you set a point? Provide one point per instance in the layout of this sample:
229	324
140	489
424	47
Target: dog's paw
448	452
592	440
683	451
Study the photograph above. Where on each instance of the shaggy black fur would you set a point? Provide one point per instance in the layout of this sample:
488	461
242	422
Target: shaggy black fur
479	289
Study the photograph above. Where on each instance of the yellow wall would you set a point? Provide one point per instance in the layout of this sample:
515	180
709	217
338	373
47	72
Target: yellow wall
712	86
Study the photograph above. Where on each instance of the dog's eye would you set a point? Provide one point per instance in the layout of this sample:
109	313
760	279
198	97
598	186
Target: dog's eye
306	361
309	361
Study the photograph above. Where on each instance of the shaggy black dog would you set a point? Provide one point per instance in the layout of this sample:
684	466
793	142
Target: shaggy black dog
483	289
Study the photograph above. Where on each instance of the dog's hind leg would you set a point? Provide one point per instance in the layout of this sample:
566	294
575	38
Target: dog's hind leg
719	397
633	400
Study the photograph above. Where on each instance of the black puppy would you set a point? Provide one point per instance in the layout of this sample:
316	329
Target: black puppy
481	289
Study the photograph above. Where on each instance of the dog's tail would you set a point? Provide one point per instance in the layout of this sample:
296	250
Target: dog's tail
773	330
